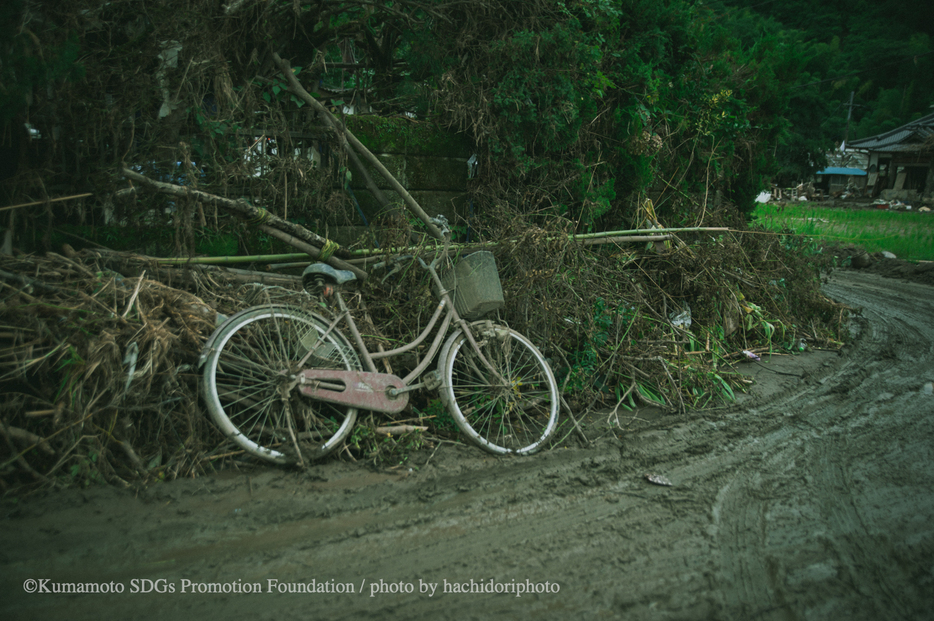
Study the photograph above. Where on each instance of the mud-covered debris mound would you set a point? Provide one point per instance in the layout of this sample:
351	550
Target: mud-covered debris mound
99	371
922	272
99	364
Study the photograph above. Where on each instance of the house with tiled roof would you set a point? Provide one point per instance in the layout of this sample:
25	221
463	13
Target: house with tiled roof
901	161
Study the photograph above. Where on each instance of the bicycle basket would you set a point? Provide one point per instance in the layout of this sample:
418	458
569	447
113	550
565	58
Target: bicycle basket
476	285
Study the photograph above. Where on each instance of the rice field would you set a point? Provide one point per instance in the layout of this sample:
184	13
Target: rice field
908	235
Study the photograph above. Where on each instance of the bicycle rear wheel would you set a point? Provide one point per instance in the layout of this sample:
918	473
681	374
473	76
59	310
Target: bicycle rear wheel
515	413
248	382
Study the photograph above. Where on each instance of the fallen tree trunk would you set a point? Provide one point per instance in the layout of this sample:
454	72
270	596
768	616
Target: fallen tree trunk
348	141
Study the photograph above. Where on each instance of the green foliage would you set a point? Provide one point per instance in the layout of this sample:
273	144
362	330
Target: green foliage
703	386
85	470
603	101
438	415
608	331
879	51
546	89
381	449
812	231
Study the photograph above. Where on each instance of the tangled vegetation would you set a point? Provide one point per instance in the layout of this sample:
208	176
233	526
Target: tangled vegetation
586	116
576	109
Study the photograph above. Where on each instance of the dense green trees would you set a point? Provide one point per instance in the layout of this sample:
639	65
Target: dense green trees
879	52
579	109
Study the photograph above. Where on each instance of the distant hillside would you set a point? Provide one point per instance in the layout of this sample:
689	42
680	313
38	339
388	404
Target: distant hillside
881	51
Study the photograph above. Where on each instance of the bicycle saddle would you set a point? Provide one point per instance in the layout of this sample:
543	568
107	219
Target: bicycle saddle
333	276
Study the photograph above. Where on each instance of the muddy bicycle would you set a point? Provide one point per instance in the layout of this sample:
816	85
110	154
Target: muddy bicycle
285	384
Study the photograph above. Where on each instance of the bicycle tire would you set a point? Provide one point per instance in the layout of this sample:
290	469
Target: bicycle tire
516	418
250	362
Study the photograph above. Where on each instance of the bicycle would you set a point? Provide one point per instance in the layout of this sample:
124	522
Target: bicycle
285	384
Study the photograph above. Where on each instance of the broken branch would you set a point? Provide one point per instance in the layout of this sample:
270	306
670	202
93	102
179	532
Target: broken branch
289	232
347	140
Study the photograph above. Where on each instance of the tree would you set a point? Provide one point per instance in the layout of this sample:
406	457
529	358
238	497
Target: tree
880	51
583	108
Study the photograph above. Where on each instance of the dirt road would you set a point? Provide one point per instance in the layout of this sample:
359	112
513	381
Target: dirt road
812	498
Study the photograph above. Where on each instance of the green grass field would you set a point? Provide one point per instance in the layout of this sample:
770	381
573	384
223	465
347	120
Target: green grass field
908	235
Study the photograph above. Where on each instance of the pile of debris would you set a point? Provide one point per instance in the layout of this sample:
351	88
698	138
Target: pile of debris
99	350
99	370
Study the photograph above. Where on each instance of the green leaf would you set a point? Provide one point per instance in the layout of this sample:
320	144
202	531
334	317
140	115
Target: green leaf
649	395
726	388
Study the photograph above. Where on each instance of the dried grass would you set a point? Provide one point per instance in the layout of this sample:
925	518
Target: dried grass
103	369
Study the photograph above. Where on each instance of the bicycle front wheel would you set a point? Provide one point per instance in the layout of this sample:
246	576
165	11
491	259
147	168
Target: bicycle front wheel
248	384
507	407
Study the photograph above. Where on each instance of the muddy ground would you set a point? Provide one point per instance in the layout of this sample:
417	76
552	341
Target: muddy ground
811	498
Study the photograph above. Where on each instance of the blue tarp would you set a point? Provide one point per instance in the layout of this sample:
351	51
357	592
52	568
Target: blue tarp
856	172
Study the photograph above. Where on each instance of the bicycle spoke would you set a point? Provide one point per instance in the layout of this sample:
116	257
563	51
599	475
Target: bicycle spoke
255	361
515	413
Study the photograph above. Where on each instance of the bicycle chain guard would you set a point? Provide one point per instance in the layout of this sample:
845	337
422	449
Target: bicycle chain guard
358	389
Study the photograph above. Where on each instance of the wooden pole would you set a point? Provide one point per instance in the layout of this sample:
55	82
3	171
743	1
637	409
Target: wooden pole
348	140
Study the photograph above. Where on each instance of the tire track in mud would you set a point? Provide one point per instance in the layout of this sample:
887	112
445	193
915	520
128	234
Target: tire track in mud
850	476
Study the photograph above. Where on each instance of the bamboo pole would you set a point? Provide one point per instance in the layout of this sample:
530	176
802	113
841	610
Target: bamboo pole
255	258
624	239
631	235
312	251
605	237
649	231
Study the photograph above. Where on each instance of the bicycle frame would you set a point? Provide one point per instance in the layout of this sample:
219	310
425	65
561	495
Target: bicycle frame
285	384
374	390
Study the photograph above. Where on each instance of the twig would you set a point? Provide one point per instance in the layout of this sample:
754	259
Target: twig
26	436
135	293
267	221
615	412
284	396
137	462
51	200
223	455
30	282
440	442
18	457
567	408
